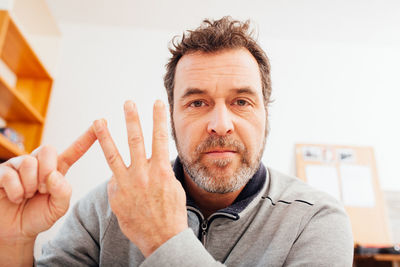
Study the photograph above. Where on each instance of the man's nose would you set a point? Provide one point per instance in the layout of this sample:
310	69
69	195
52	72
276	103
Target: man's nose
220	121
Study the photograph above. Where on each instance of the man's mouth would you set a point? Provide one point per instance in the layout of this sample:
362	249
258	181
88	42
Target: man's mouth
220	150
219	153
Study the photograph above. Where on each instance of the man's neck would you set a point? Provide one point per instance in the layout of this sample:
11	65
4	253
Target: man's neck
209	202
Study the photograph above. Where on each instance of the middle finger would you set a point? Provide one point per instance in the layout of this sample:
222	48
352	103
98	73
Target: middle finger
135	135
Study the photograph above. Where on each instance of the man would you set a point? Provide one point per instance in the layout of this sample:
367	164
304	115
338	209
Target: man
218	204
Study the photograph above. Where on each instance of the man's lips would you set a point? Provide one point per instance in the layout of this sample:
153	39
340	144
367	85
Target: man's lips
220	151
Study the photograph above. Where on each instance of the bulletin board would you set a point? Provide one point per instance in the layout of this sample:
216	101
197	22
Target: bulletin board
349	174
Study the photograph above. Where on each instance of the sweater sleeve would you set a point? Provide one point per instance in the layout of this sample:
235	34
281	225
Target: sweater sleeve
186	250
78	241
325	239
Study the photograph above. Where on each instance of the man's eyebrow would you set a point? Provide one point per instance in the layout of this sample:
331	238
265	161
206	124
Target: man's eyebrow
197	91
244	90
193	91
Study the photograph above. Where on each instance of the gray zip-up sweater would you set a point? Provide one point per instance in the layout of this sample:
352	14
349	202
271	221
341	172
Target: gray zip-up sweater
276	220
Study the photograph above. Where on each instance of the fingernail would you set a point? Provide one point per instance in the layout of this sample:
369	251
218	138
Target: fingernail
98	125
129	106
42	188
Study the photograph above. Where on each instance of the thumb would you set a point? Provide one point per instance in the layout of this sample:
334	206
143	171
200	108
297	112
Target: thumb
60	194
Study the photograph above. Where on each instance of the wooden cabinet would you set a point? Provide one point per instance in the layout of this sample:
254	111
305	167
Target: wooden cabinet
23	105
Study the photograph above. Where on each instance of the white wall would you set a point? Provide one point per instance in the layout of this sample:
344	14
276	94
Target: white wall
326	90
39	27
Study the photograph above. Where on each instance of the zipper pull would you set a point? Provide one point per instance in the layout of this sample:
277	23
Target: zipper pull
204	232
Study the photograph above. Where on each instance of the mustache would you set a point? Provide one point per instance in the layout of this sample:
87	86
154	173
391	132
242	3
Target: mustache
223	142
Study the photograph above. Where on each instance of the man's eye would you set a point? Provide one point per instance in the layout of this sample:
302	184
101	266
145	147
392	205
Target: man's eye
241	102
197	104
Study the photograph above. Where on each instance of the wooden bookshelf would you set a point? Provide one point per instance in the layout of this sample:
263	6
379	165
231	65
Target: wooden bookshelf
24	105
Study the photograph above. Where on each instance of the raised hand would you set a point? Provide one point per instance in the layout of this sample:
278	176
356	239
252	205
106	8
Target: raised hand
34	193
147	199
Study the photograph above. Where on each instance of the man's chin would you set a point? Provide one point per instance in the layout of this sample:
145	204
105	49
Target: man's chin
214	178
220	172
219	164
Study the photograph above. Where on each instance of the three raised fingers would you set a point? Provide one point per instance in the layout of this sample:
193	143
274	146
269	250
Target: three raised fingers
135	139
160	133
135	135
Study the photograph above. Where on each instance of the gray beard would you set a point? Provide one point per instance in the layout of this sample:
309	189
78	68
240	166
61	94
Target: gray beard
216	181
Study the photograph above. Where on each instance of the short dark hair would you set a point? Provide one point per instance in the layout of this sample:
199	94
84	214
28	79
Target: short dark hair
213	36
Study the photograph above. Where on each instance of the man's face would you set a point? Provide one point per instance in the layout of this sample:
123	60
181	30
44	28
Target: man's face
219	118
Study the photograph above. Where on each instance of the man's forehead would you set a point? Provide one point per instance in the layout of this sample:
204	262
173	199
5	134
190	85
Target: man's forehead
239	57
233	69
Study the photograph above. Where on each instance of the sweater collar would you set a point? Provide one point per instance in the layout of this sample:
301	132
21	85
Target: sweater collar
252	188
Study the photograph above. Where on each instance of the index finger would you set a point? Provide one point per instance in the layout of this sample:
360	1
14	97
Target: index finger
76	150
160	132
109	148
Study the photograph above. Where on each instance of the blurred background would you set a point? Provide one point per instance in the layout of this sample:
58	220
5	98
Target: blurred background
335	72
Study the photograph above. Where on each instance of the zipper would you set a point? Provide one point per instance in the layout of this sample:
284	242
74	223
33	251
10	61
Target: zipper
205	223
204	228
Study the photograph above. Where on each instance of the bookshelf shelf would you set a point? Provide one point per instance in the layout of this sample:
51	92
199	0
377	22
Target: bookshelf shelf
14	107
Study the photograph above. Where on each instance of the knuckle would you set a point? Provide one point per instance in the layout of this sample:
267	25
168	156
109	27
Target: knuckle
101	133
29	162
164	171
141	183
9	176
30	185
161	135
16	161
15	197
79	147
12	185
46	149
112	158
135	139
